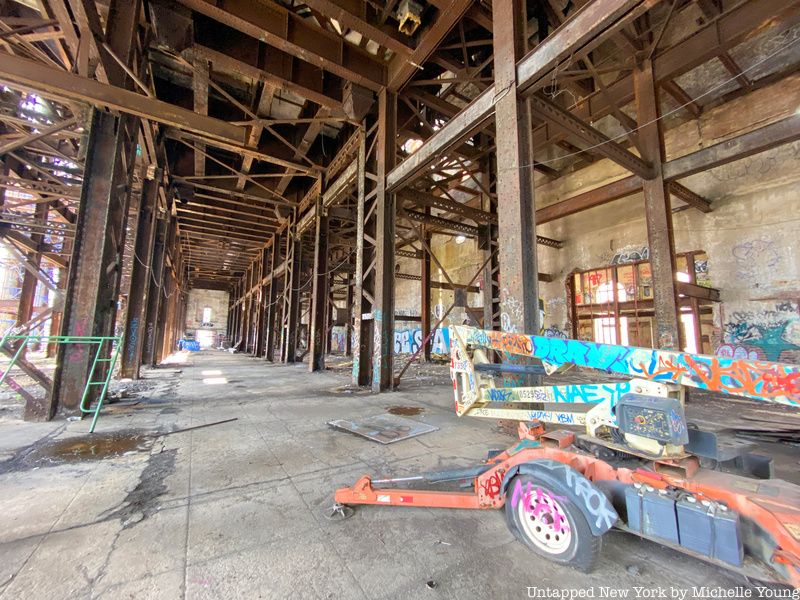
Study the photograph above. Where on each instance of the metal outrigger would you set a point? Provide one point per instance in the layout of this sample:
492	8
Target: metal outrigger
630	460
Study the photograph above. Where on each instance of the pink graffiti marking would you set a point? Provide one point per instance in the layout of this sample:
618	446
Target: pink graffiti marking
541	505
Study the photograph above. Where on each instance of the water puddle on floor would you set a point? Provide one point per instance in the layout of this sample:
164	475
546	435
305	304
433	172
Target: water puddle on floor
94	446
405	410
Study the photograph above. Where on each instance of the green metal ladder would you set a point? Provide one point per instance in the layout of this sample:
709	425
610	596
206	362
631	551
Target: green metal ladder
100	341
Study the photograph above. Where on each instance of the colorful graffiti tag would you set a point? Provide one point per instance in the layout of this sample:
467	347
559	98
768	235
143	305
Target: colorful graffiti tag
773	334
406	341
760	380
541	505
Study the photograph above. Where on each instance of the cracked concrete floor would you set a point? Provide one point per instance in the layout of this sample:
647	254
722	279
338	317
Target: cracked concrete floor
235	510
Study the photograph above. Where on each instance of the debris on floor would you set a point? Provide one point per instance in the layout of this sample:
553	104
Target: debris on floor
385	428
406	411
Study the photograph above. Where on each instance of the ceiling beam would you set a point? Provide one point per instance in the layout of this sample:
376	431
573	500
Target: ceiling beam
350	14
280	28
402	68
728	30
598	17
222	62
26	74
764	138
597	141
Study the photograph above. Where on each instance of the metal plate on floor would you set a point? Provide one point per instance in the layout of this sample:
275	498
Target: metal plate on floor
385	428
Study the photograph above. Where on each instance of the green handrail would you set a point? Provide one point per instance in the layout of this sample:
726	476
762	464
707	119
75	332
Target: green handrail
72	339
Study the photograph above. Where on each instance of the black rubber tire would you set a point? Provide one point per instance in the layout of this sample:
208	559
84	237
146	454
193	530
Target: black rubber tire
584	547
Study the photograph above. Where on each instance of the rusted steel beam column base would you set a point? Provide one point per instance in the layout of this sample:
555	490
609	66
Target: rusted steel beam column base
95	271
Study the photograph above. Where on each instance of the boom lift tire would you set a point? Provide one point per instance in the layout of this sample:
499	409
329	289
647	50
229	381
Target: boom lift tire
545	519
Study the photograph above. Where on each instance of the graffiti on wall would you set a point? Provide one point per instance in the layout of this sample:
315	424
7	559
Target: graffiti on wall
755	256
406	341
769	381
701	275
772	334
630	254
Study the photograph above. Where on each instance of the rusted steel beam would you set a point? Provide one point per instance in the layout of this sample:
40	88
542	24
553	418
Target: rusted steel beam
291	295
402	68
360	358
319	291
425	296
692	290
30	279
272	24
270	325
200	79
33	137
446	204
383	307
135	318
240	149
25	243
515	188
658	214
730	29
693	200
764	138
410	253
597	141
290	80
154	293
350	14
461	127
607	193
600	16
96	265
31	75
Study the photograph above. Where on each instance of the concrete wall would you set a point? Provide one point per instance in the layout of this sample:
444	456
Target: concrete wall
198	300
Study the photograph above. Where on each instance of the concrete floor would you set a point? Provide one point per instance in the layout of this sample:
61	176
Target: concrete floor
236	510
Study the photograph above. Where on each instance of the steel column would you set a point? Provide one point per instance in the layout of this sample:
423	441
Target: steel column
30	282
294	248
658	212
515	189
272	300
95	270
131	358
383	308
319	292
348	335
425	291
154	293
360	358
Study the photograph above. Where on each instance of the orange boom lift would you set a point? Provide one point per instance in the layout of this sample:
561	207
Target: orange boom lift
634	464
